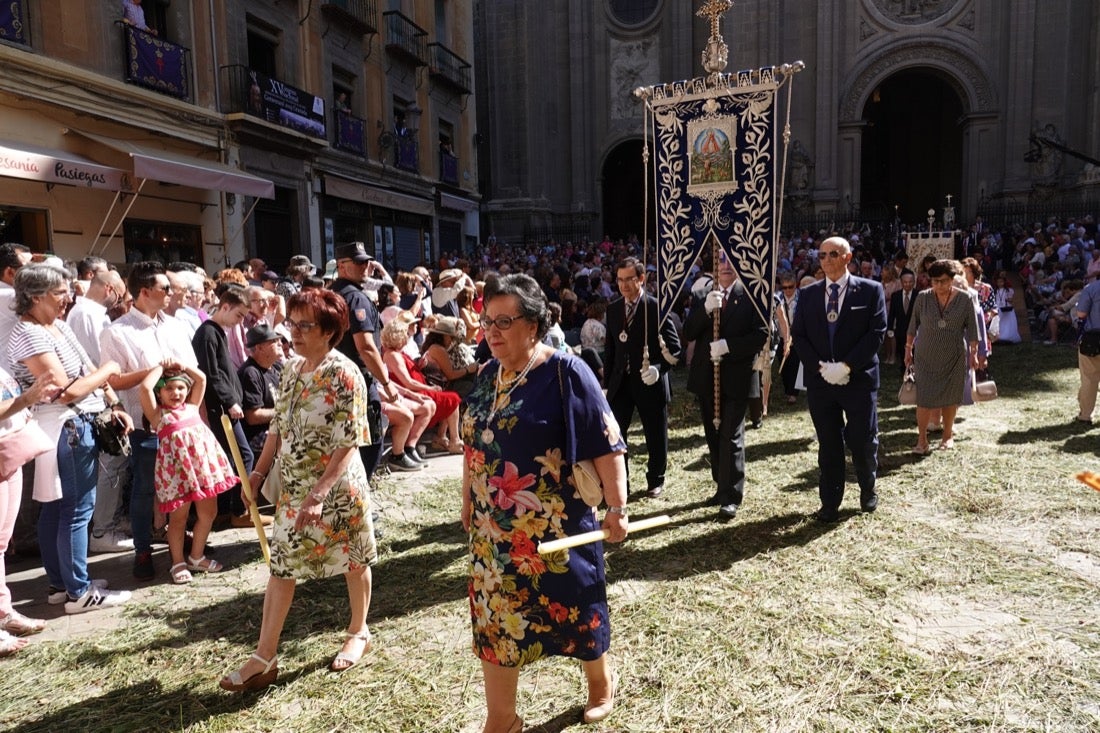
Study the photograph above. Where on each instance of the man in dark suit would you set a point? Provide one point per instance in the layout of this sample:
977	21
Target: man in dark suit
741	334
632	325
901	308
838	329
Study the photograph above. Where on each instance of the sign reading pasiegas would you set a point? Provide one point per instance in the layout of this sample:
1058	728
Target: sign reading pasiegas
58	166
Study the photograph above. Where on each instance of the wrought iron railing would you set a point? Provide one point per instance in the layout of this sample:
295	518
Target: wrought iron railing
448	167
156	64
404	38
361	15
350	133
406	153
447	66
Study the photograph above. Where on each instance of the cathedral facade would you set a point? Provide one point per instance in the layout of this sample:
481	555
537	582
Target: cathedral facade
902	104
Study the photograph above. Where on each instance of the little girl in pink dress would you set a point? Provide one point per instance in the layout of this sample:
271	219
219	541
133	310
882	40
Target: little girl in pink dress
191	467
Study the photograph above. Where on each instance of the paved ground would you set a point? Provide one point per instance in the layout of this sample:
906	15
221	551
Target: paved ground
27	581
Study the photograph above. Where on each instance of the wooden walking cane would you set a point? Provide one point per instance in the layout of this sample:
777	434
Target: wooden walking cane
253	512
596	535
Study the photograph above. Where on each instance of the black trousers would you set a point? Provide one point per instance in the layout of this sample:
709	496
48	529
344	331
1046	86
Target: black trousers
844	415
653	412
230	502
727	447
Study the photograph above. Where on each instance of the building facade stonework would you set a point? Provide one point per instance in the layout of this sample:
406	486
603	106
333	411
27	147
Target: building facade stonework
902	102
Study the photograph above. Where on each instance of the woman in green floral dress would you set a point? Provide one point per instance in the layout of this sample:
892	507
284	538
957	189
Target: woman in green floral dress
532	414
322	514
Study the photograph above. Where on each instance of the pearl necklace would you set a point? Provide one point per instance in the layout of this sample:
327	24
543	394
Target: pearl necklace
498	398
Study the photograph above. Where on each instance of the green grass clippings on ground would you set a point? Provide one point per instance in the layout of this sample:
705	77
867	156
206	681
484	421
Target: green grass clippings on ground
967	602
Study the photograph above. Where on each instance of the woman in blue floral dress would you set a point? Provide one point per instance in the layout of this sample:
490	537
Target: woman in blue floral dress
532	414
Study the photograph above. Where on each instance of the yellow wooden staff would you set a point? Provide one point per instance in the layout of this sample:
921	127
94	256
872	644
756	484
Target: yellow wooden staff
253	512
599	534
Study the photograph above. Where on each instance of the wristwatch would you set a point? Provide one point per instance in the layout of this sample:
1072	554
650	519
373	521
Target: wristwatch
617	510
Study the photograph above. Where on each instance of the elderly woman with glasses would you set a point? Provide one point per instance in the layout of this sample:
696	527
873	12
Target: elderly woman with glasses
42	347
942	347
533	414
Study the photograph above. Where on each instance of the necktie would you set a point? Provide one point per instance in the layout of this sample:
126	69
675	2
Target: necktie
725	298
832	312
905	302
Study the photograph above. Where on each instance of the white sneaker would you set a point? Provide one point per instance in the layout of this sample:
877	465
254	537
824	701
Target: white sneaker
96	598
110	542
56	597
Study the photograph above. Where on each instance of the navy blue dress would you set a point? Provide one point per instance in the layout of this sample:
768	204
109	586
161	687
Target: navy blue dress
525	606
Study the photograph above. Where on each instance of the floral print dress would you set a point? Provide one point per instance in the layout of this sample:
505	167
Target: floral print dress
317	413
525	606
190	465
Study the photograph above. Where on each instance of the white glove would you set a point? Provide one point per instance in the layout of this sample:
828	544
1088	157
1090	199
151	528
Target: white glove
713	301
835	372
718	349
650	375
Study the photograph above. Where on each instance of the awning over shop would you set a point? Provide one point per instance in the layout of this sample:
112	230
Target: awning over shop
185	170
19	160
343	188
457	203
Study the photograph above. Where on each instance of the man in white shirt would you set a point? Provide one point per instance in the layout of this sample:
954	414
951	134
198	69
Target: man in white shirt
12	257
139	341
88	318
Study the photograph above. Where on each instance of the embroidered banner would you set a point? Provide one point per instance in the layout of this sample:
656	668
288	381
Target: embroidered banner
156	64
715	167
11	21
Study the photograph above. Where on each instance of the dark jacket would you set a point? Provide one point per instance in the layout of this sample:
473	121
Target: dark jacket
745	333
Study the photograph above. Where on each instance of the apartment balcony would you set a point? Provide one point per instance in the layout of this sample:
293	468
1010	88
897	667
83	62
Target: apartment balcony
405	39
359	15
448	68
351	133
448	168
406	153
156	64
248	94
13	22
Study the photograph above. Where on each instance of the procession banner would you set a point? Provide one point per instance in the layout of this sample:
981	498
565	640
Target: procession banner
715	177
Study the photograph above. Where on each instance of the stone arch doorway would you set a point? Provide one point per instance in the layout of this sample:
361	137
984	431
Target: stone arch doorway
623	193
912	148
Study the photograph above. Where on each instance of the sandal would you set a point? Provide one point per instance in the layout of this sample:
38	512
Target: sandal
17	624
233	682
346	660
10	644
440	446
457	449
204	565
180	574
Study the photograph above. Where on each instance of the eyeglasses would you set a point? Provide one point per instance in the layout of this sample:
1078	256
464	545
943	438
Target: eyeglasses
61	292
943	280
303	326
161	288
501	322
832	254
788	287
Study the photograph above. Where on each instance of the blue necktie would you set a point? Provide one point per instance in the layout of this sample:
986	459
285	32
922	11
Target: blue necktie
832	312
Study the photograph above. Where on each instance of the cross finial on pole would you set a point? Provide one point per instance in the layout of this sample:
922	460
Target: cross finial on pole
715	54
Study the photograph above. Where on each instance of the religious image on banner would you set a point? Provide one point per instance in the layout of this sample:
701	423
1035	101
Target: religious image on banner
712	155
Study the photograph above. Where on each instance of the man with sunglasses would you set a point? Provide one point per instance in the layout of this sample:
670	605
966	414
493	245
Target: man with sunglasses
362	343
140	341
838	329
